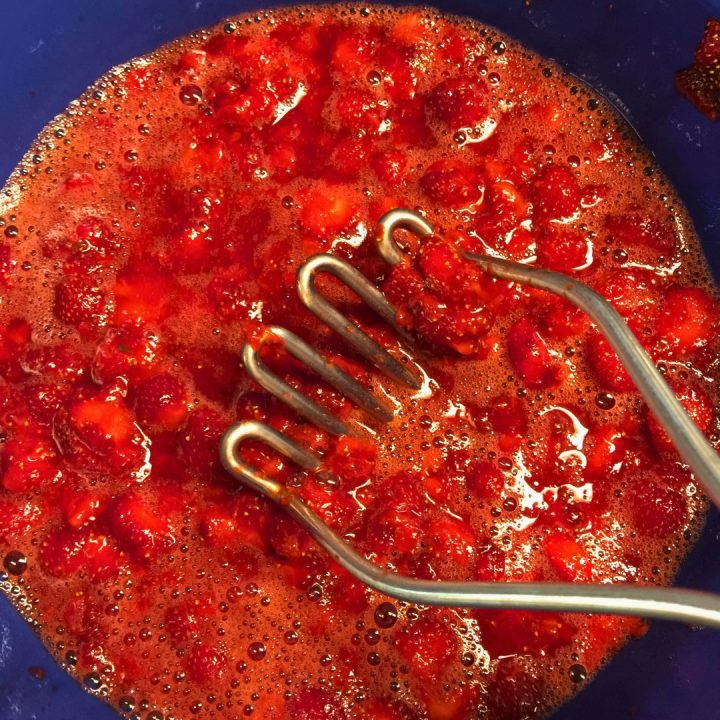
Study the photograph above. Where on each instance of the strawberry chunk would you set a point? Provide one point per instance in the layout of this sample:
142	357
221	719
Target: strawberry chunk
453	184
182	622
353	51
459	101
328	209
688	319
563	250
16	519
519	632
657	511
142	295
530	356
81	301
313	704
206	664
568	558
428	647
79	507
698	406
390	167
61	552
129	351
29	461
228	293
452	542
699	83
201	440
98	431
484	480
555	192
139	528
161	401
606	365
352	460
635	229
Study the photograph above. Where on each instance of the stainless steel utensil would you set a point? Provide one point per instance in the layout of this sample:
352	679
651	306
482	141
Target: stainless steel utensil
690	606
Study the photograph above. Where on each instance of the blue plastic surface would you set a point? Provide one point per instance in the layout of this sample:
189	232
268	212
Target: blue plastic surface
50	51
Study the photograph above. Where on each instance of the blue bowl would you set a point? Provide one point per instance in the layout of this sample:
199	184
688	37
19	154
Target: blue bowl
629	50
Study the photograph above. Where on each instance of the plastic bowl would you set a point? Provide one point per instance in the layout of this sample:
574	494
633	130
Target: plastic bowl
629	50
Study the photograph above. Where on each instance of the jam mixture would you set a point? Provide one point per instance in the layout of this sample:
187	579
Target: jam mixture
160	221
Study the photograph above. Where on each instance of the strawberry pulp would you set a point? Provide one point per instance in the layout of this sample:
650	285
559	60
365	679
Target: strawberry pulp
159	223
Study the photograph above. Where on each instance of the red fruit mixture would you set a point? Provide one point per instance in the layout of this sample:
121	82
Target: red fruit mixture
161	221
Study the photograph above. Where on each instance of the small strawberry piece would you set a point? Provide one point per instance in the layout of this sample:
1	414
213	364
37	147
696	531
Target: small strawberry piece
80	301
289	540
101	559
7	264
700	83
94	234
182	622
192	59
28	461
508	414
139	528
561	319
314	704
516	690
491	563
61	552
637	229
353	52
328	209
394	522
17	519
568	558
390	167
55	361
604	448
216	372
555	192
459	101
79	507
228	293
428	646
244	106
201	440
218	529
484	480
518	632
99	431
657	511
352	460
563	250
206	664
14	338
461	327
161	401
128	351
633	292
698	406
448	274
453	184
530	356
359	112
606	365
688	319
142	295
452	541
708	51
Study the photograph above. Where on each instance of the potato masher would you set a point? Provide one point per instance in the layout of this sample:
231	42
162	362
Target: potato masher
691	606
